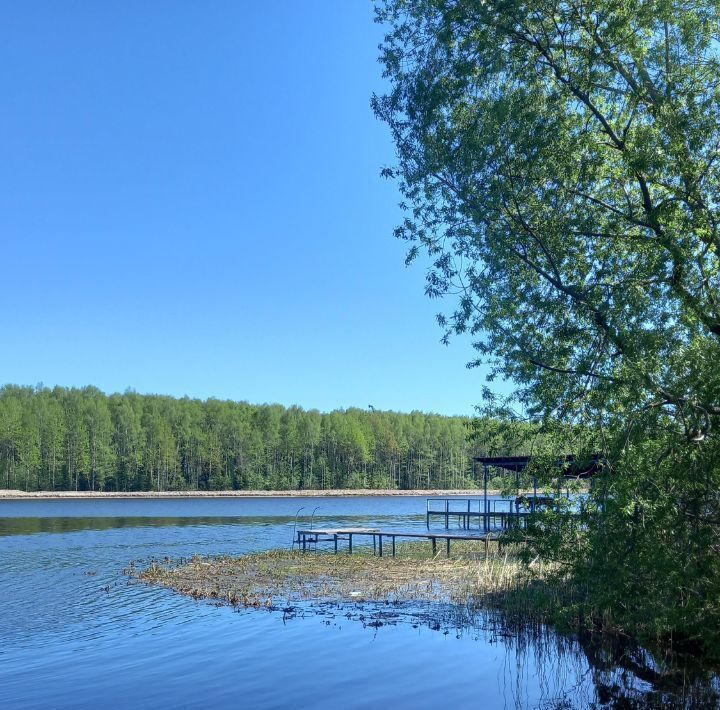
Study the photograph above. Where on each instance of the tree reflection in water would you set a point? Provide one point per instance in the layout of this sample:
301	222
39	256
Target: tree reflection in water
572	671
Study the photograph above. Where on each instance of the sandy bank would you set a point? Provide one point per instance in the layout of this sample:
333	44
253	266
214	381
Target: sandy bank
86	495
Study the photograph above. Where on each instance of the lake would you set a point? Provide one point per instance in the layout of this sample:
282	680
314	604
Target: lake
76	632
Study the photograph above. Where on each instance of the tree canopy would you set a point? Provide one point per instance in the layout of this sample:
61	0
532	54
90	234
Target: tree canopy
559	161
83	439
559	164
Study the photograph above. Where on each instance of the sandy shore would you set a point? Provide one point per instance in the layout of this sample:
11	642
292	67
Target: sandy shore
86	495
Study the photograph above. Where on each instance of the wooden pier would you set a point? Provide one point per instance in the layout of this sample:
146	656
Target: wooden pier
308	537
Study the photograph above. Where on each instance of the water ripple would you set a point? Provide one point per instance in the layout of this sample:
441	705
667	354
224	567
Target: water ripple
76	630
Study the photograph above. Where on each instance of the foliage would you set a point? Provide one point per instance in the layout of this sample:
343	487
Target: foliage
83	439
559	164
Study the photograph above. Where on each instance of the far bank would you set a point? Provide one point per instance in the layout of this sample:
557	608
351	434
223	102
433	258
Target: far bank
78	495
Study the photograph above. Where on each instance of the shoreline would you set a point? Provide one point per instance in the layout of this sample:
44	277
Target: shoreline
330	493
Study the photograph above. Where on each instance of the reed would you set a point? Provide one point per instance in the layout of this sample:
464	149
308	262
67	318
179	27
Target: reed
471	578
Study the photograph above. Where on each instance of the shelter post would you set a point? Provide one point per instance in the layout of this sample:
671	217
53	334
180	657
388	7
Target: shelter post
485	496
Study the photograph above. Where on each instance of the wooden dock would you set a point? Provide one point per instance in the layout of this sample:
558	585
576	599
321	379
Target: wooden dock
490	514
309	537
493	517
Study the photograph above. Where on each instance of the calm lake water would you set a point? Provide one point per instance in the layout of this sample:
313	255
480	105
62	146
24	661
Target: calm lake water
75	633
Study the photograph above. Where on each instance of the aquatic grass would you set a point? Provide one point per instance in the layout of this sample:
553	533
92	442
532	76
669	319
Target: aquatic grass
470	577
500	590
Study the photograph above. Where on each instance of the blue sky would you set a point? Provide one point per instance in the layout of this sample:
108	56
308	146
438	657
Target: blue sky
190	204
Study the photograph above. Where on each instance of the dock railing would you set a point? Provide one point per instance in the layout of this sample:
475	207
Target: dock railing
496	513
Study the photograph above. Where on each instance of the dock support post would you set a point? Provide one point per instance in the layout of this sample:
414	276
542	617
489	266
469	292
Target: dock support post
485	494
434	545
448	547
335	536
350	543
393	545
447	513
427	512
374	545
380	544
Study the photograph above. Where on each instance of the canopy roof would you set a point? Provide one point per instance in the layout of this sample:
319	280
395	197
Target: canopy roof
585	467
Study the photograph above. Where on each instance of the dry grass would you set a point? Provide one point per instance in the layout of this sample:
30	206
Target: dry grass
279	578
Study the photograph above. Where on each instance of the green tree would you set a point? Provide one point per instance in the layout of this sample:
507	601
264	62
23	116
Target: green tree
559	165
127	436
87	440
51	426
76	438
98	423
10	427
28	449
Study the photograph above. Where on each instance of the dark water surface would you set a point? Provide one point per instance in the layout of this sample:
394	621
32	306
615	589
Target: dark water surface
76	633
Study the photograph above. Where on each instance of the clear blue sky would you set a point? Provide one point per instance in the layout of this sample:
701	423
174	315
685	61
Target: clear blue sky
190	203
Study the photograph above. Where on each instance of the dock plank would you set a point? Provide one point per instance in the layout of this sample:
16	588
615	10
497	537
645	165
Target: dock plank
313	536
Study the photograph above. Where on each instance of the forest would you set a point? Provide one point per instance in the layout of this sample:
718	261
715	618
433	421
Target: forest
84	439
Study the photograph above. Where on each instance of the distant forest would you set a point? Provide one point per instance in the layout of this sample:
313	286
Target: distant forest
83	439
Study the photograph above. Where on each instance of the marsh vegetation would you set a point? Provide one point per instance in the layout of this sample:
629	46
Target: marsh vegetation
269	577
278	578
471	592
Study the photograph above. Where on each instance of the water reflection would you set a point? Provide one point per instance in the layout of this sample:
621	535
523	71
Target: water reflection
68	605
213	507
29	526
578	671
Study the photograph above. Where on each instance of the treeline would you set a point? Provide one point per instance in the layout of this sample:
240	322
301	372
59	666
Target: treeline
83	439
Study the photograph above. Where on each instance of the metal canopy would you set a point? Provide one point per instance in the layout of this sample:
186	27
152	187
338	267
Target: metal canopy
584	468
